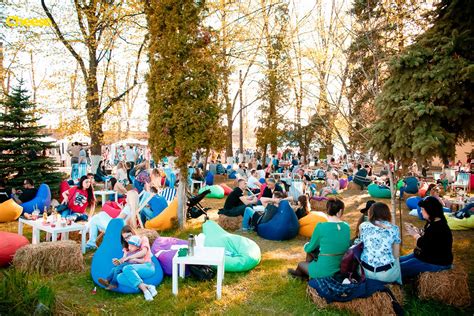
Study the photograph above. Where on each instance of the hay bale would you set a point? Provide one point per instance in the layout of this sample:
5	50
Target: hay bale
448	286
352	186
318	205
150	233
230	223
379	303
50	257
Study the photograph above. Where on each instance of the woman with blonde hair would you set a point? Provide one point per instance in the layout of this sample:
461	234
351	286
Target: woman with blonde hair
122	174
100	221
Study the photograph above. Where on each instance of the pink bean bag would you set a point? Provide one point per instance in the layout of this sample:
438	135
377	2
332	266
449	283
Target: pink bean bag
9	244
226	188
161	248
343	183
112	209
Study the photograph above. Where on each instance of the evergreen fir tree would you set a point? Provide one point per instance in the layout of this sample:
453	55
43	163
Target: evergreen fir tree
425	106
22	154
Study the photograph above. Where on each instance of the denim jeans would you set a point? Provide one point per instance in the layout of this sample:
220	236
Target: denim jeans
116	270
133	274
97	222
411	266
74	171
391	275
79	216
146	214
248	213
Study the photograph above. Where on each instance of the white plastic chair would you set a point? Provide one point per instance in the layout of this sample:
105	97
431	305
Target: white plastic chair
461	181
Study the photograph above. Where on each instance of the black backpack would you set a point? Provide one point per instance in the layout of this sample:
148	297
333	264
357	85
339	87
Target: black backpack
202	273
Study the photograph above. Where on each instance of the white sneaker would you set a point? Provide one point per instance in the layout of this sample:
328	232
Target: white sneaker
152	290
148	296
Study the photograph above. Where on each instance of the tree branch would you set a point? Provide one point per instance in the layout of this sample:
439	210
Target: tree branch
135	77
64	41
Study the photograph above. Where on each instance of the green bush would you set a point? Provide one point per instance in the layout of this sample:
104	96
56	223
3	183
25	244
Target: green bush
25	294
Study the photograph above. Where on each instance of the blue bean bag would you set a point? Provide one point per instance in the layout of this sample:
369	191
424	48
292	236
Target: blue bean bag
412	202
157	204
42	199
112	248
209	178
283	226
241	253
378	192
233	174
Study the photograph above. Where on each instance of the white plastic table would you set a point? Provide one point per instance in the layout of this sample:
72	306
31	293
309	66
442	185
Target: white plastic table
193	182
104	193
38	226
212	256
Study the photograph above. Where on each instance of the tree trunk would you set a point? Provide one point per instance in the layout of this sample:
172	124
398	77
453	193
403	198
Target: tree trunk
393	190
182	198
230	123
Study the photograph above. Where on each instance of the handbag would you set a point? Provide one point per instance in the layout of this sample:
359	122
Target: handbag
351	261
202	272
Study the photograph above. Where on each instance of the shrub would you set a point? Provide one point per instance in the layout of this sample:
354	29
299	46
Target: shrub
25	294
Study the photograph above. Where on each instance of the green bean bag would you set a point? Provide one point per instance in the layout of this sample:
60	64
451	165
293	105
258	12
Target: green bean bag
217	192
460	224
377	192
241	253
400	184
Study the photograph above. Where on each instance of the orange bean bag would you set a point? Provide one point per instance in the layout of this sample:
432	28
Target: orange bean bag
309	222
9	211
227	189
165	219
9	244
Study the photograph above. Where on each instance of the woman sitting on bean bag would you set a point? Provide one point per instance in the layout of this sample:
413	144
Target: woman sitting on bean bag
140	276
328	244
100	221
434	244
77	199
303	206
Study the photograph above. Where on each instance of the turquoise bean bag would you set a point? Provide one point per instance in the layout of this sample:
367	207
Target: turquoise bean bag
242	254
112	248
284	224
217	192
377	192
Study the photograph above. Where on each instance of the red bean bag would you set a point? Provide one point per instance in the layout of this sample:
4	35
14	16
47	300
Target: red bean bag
9	244
112	209
64	186
262	188
422	190
226	188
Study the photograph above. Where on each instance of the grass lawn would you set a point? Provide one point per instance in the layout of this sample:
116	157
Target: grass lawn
265	290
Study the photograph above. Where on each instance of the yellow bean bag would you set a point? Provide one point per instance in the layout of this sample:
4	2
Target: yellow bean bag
165	219
460	224
9	211
309	222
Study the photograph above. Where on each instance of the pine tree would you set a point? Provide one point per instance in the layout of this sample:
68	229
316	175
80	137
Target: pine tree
21	151
182	83
382	28
425	106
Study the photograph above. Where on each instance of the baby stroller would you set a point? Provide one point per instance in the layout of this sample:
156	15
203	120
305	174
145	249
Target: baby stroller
195	208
